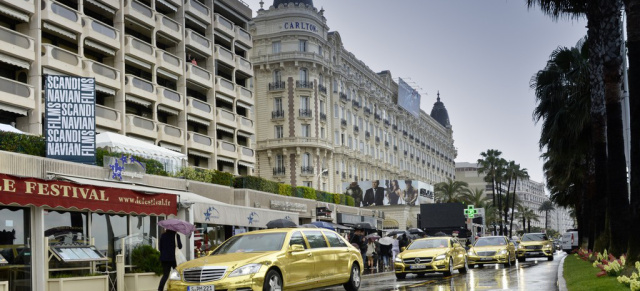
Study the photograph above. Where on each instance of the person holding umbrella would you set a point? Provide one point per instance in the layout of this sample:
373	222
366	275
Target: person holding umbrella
168	242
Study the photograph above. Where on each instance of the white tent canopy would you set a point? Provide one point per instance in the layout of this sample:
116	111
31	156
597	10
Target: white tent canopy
173	161
9	128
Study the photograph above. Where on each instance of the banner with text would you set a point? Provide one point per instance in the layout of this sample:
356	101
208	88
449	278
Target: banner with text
408	98
389	192
70	120
38	192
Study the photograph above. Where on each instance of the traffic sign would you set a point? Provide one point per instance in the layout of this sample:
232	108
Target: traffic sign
470	212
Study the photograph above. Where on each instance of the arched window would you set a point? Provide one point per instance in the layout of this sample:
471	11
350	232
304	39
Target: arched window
277	76
321	80
304	76
306	160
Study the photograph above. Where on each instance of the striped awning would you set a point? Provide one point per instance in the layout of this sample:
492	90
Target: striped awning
172	147
14	13
137	62
137	100
226	160
225	98
104	89
241	163
102	6
194	20
199	154
58	30
167	74
100	47
13	109
244	105
169	5
14	61
167	109
198	120
225	129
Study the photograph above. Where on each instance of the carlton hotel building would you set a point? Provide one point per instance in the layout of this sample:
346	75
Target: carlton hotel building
170	72
325	118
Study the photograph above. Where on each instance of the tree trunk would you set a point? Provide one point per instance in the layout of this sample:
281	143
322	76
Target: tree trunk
597	111
506	206
632	8
616	164
513	206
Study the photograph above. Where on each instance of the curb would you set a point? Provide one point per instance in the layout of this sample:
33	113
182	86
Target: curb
378	273
561	283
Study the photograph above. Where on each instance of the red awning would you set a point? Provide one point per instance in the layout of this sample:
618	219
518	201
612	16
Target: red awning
37	192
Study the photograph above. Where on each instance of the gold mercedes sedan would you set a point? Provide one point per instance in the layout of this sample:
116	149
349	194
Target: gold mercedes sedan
428	255
492	250
273	259
535	245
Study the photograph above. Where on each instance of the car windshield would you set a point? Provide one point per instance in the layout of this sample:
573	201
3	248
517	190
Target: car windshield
428	244
534	237
490	241
251	243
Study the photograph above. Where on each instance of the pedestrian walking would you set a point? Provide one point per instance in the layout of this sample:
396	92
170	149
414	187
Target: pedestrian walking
371	249
168	242
395	248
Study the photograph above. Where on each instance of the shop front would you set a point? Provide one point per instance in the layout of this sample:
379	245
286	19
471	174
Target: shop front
38	216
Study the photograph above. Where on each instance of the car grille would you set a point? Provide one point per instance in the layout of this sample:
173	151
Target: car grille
533	247
203	274
486	254
420	260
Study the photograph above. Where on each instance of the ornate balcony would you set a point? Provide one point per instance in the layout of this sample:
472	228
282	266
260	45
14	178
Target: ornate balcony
355	104
306	170
277	114
356	129
274	86
304	85
367	111
343	97
305	113
323	117
367	135
322	89
279	171
343	123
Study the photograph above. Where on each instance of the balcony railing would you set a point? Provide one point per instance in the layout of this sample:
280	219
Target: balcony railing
377	139
356	104
377	117
322	89
343	122
395	127
386	144
395	148
344	175
279	171
277	114
305	112
304	84
306	170
387	122
323	116
343	97
356	129
367	111
276	86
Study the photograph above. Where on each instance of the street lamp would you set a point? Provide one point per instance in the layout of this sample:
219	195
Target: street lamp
318	177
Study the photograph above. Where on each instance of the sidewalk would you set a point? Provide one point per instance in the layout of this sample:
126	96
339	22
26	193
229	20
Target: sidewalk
370	272
562	284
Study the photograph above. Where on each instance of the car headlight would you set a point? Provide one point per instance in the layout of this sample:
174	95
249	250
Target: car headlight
174	275
398	260
547	246
246	270
502	252
471	253
440	257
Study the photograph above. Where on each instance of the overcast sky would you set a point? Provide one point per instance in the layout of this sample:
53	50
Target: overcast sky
480	55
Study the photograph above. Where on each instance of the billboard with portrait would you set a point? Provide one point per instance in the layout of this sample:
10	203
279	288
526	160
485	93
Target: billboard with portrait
408	98
389	192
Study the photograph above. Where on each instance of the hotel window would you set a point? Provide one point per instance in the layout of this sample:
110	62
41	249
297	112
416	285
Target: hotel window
336	110
320	49
307	184
304	76
275	47
306	160
322	133
279	161
277	76
321	106
279	131
277	104
335	86
321	79
306	130
304	102
336	138
303	45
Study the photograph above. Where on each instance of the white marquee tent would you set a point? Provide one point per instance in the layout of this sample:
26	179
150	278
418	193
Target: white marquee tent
172	161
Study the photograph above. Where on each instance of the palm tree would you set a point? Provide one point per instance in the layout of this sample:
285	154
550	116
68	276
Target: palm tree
475	197
531	216
487	165
545	207
518	174
450	191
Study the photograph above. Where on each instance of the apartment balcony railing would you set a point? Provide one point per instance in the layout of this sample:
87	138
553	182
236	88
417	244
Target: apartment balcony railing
377	139
98	35
244	94
277	114
170	134
386	144
227	149
304	85
279	171
225	87
344	175
17	44
140	88
23	6
223	25
356	129
224	55
245	124
199	76
322	89
356	105
168	63
168	27
61	60
17	93
197	41
199	11
140	50
395	127
104	75
323	117
367	135
306	170
199	108
141	126
65	18
367	111
395	148
199	142
139	12
343	97
305	113
387	122
244	66
377	117
343	122
243	37
405	133
169	98
277	86
108	118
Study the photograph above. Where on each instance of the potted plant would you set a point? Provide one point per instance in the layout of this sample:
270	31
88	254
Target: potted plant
146	271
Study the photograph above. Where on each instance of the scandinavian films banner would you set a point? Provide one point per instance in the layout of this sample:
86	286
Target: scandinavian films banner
70	120
389	192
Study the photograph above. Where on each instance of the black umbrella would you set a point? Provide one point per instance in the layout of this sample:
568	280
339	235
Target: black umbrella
281	223
415	231
440	233
363	225
397	232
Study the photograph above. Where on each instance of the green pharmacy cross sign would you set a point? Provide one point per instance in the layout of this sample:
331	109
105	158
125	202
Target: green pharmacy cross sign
470	212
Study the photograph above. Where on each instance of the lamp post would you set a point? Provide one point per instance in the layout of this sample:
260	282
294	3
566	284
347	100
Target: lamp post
318	177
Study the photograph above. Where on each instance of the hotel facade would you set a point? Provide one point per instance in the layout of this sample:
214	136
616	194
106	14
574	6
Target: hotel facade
326	118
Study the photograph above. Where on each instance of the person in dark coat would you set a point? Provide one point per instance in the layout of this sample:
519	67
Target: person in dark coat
403	242
374	195
168	254
359	240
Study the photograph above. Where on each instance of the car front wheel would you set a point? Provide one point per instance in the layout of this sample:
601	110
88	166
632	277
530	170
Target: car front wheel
550	258
450	270
401	275
464	268
354	281
273	281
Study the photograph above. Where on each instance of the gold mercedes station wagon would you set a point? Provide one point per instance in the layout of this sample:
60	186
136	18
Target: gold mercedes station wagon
273	259
492	250
535	245
434	254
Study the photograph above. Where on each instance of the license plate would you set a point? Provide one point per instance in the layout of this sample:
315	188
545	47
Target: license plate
201	288
534	253
486	259
413	267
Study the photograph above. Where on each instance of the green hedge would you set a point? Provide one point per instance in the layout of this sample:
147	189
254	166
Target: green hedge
324	196
306	192
22	143
206	175
256	183
350	200
285	189
153	167
146	259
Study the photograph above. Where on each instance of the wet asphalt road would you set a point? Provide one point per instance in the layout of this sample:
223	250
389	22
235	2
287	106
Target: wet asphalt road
534	274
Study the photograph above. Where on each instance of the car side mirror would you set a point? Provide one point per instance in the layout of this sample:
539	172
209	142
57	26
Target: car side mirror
296	248
402	249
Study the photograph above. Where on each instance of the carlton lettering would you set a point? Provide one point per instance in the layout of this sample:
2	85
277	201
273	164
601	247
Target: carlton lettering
300	25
